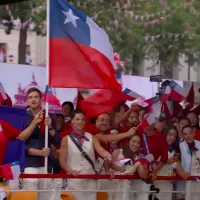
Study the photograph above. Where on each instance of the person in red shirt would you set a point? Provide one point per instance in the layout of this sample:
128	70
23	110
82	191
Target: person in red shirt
182	122
161	122
101	130
192	116
157	145
101	126
67	109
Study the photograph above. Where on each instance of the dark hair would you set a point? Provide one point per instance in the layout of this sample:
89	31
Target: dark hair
183	118
77	111
144	109
145	113
34	89
186	127
70	104
127	153
197	125
106	113
165	83
60	115
175	145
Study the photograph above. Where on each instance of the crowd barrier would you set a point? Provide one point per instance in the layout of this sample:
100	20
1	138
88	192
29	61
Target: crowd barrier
67	195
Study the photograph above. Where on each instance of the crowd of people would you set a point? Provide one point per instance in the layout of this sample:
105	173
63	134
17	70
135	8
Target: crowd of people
112	143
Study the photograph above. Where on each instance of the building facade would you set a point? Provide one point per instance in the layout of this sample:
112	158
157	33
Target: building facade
36	45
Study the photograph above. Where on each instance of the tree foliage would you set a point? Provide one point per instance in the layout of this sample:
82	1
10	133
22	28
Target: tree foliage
117	17
28	13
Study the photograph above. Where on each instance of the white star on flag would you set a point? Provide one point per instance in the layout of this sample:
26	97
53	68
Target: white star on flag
70	17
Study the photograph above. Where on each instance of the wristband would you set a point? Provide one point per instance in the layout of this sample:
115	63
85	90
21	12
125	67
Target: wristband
50	129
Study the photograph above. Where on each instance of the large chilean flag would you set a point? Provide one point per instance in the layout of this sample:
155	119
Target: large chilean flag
81	55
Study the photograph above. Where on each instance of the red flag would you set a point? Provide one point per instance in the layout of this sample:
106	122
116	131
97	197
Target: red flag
190	97
79	100
100	102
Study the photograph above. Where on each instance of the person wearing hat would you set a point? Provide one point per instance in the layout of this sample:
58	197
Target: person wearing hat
161	122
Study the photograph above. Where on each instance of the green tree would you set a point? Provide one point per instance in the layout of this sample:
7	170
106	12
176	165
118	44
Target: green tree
30	12
117	18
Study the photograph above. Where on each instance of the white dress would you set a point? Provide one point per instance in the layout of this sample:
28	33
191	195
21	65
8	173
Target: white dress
77	162
191	164
166	170
124	185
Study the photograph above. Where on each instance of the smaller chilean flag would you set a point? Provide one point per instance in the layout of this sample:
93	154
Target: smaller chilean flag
50	97
175	91
130	95
81	55
11	171
151	118
148	121
3	95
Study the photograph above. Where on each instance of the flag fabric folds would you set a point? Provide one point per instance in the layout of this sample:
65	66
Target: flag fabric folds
151	118
50	98
174	91
3	95
101	102
11	171
190	97
130	95
13	122
81	55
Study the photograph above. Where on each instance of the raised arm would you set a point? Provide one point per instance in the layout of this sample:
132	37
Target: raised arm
116	137
25	134
125	116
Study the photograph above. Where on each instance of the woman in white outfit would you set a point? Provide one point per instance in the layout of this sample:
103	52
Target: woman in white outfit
190	161
172	166
130	151
73	161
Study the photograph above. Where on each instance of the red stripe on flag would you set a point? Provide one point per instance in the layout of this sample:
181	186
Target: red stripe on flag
101	102
176	96
75	65
7	172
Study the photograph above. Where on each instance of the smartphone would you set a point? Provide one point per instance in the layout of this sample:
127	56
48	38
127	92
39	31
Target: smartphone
142	152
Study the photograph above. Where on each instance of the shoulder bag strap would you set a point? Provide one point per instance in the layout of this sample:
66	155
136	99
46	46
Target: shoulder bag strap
83	153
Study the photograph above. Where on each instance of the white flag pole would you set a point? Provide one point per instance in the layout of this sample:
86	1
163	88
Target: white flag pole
47	80
159	72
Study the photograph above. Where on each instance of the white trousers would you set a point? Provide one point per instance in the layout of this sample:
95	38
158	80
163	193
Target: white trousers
139	185
191	188
39	184
180	186
164	186
82	184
